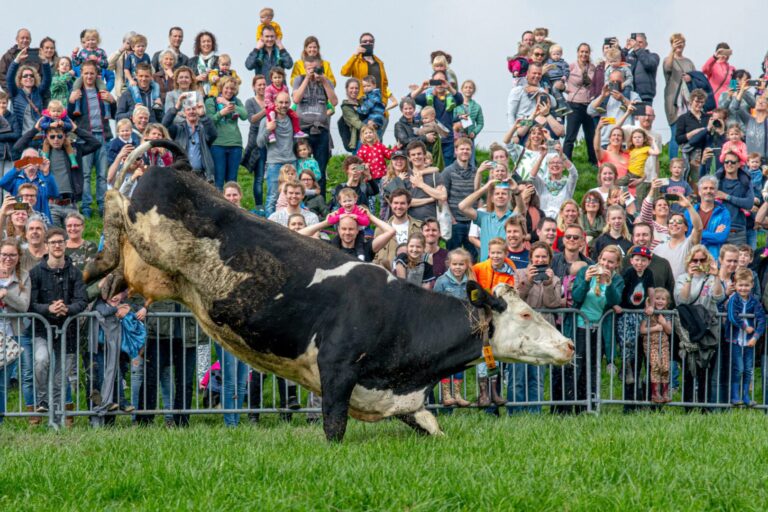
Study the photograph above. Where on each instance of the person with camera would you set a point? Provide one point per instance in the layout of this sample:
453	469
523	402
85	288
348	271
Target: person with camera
700	285
679	244
312	93
523	99
552	187
194	132
718	70
492	219
754	122
676	96
615	106
444	98
540	288
736	194
364	63
579	96
644	64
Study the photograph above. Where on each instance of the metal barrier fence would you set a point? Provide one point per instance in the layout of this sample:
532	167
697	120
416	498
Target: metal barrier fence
182	372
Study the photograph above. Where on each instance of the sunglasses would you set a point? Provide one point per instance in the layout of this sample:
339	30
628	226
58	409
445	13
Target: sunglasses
730	162
698	260
56	136
572	237
27	75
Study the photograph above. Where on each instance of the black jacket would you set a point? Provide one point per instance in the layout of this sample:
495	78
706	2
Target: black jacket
85	145
645	65
49	285
9	138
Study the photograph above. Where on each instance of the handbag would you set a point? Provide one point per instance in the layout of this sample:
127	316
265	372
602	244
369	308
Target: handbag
444	217
10	350
695	318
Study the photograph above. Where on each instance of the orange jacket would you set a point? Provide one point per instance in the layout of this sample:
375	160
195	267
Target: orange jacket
488	278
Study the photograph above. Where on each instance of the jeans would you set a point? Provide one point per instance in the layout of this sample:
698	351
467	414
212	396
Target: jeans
525	383
738	237
460	238
449	155
321	150
578	118
752	238
742	367
673	147
272	175
234	374
154	93
226	162
97	159
258	179
42	371
59	213
27	368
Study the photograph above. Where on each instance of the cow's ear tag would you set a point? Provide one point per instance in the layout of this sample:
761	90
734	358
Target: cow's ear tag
490	361
474	295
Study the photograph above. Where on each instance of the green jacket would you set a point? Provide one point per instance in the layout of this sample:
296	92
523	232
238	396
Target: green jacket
579	294
475	114
226	126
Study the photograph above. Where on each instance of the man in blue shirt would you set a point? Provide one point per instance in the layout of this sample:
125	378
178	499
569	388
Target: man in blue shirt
37	175
491	222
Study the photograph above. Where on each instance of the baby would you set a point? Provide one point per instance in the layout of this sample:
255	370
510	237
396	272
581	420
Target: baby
557	76
429	123
55	116
225	69
90	51
371	106
348	200
266	16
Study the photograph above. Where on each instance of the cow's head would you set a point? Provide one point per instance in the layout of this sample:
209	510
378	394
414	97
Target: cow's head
520	334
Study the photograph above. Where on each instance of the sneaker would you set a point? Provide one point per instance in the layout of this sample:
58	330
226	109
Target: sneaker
300	135
127	408
42	408
112	407
737	403
253	418
169	423
293	403
271	139
563	111
600	110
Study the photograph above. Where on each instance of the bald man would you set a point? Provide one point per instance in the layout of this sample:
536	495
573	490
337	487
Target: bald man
23	40
279	152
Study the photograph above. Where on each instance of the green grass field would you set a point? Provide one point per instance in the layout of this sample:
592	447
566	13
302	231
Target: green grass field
667	461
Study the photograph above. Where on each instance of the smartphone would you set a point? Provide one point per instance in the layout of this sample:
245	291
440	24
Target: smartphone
624	189
435	83
754	83
526	122
541	273
551	146
664	182
633	35
368	50
610	120
609	40
733	84
672	198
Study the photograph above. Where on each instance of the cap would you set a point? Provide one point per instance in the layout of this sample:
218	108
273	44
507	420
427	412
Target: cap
399	154
639	250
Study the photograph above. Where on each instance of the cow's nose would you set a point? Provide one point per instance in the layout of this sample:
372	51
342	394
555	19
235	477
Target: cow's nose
570	346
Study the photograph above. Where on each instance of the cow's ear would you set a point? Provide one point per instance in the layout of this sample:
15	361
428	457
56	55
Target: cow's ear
480	298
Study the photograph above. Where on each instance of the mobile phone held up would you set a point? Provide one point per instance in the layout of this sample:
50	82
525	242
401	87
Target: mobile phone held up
435	83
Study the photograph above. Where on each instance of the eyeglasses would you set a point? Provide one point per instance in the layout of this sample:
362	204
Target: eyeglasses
538	54
56	136
55	242
698	260
367	41
572	237
676	221
730	162
74	226
27	75
591	200
7	256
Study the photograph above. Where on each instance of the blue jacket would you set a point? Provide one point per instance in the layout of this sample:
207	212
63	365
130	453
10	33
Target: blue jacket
447	285
46	188
20	98
372	108
735	324
710	237
741	197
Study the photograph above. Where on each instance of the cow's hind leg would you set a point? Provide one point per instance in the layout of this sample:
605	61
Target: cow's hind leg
422	421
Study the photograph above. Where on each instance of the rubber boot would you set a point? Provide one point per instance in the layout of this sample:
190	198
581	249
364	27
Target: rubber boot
445	391
497	399
665	398
457	394
482	399
33	420
655	396
69	421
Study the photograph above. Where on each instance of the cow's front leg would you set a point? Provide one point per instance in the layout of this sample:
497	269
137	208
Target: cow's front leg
337	381
114	229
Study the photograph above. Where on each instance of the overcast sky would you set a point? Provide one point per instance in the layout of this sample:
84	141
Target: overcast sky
478	34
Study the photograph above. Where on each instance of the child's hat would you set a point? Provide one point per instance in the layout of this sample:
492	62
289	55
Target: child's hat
398	154
643	251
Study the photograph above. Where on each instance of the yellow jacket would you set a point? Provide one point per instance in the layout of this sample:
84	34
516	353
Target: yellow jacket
275	25
298	70
357	67
214	91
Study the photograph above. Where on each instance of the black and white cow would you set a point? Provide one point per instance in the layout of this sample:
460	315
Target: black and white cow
370	344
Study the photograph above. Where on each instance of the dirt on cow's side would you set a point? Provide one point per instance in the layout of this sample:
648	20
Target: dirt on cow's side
663	461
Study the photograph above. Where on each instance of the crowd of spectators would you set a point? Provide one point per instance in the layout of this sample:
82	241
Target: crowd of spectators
638	243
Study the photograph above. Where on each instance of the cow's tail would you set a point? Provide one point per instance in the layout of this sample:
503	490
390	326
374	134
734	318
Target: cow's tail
178	156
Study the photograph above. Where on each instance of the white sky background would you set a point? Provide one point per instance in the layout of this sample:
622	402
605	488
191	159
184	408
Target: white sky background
478	34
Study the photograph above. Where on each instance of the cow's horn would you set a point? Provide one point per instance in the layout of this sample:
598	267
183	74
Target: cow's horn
135	155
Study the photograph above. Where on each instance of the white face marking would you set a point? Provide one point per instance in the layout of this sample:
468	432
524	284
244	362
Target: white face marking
523	335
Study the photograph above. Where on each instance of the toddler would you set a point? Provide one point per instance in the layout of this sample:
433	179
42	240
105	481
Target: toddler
371	108
277	76
375	155
677	185
613	63
90	51
454	283
640	146
138	56
656	330
743	333
746	256
540	37
347	198
518	64
266	17
225	69
55	116
61	83
305	160
557	77
287	175
124	137
735	144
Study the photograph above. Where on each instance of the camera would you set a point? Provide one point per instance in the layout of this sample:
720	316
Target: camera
319	70
614	86
716	123
754	83
672	198
435	83
541	273
368	50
